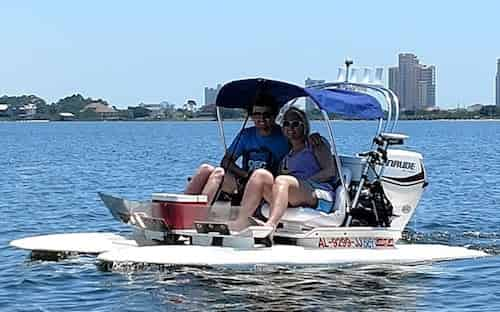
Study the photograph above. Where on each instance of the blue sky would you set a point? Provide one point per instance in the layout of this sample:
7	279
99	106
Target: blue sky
128	52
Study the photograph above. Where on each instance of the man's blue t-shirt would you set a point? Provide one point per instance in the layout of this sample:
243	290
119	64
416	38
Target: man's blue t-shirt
260	151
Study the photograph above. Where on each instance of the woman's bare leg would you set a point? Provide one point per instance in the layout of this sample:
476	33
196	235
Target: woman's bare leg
198	181
258	187
288	190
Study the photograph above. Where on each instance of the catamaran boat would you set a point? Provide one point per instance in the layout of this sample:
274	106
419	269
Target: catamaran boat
377	194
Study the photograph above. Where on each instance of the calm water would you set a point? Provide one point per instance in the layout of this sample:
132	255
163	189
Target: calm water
50	174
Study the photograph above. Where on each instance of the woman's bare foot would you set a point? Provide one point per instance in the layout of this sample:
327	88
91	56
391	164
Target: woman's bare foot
255	221
270	224
238	225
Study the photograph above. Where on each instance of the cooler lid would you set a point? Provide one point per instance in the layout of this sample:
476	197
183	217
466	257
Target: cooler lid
179	198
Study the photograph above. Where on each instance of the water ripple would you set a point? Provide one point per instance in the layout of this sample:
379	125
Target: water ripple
51	174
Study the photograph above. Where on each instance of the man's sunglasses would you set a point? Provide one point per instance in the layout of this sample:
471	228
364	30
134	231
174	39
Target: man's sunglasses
292	124
263	115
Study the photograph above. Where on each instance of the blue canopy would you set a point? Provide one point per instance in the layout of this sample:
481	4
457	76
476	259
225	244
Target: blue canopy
243	93
346	103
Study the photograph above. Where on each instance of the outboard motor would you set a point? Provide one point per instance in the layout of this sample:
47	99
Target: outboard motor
403	181
391	185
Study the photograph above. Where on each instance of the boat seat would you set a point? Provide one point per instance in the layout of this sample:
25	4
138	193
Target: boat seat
311	217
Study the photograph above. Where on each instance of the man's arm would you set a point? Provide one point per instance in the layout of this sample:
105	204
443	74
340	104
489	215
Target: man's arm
229	164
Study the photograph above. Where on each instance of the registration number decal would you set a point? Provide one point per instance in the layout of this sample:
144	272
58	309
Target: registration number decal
355	242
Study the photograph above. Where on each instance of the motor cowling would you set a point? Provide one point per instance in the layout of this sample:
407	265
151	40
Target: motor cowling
403	181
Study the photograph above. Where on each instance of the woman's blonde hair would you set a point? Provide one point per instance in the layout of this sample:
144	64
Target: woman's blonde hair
302	116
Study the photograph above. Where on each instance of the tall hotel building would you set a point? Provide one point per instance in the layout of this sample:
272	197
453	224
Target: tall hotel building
498	83
414	83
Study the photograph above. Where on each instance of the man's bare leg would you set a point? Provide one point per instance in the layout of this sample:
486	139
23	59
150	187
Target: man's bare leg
217	177
199	180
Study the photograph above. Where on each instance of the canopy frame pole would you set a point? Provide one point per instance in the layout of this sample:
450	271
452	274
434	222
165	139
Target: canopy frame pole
284	109
221	128
395	103
379	128
388	103
337	159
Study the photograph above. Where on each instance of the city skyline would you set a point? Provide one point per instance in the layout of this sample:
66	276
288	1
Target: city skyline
127	53
414	83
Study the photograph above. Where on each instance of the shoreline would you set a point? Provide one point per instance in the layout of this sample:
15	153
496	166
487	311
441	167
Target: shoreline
234	120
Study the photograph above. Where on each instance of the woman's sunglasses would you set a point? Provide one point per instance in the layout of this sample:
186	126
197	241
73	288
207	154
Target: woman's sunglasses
292	124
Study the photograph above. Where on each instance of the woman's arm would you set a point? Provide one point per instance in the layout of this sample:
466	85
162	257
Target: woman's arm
326	163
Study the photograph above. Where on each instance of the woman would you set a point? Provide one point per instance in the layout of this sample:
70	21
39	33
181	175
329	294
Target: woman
303	171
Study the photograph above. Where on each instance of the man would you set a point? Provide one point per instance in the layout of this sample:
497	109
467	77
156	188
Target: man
260	146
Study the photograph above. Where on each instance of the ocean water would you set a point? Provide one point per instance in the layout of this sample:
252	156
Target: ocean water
50	174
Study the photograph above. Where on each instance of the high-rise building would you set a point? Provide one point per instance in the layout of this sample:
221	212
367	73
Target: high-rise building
394	79
427	86
414	83
211	94
408	91
498	83
310	106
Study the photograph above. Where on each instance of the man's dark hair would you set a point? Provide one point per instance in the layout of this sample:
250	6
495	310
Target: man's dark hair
265	100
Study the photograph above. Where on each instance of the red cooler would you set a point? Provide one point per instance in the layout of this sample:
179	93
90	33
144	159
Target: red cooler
180	210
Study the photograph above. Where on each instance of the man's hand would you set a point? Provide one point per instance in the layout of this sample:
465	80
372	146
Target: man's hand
229	165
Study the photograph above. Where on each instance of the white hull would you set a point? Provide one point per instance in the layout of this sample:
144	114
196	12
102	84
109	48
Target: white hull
117	249
83	243
285	255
